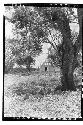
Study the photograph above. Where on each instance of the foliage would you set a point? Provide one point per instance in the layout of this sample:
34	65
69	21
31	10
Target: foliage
56	57
24	46
38	21
27	61
37	24
9	57
43	88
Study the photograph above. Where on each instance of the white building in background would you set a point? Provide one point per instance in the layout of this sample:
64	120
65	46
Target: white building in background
47	65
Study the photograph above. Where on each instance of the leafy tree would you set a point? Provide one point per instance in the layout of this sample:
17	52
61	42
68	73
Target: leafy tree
24	45
9	57
27	61
80	20
68	55
66	48
40	22
67	51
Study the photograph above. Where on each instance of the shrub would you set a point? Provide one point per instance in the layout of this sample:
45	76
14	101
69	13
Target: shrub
26	96
41	92
24	88
33	88
58	89
48	91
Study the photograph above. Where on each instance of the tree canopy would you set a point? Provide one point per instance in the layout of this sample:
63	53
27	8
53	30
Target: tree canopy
35	25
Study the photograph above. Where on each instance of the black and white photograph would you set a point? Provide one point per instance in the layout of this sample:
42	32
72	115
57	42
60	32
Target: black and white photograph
42	57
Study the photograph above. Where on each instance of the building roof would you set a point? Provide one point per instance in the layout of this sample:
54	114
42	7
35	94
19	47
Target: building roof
47	62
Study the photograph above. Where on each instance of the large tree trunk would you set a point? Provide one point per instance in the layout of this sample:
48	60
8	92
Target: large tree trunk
80	20
67	67
69	58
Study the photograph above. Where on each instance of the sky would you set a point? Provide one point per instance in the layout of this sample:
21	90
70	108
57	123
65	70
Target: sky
42	57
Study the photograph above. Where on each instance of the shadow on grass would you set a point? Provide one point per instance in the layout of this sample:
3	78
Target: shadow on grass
40	89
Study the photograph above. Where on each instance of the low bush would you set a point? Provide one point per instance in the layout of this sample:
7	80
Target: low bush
24	88
43	87
41	92
48	91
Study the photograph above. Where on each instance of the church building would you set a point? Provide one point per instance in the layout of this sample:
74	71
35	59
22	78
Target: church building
47	65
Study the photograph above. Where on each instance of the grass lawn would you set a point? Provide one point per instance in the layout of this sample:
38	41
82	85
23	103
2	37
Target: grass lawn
28	104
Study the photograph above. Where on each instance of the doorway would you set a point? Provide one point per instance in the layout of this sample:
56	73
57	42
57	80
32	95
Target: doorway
45	69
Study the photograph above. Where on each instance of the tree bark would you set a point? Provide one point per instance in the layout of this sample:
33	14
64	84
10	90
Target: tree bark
80	20
67	68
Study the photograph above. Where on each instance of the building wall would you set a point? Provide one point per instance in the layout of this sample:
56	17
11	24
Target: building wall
47	68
